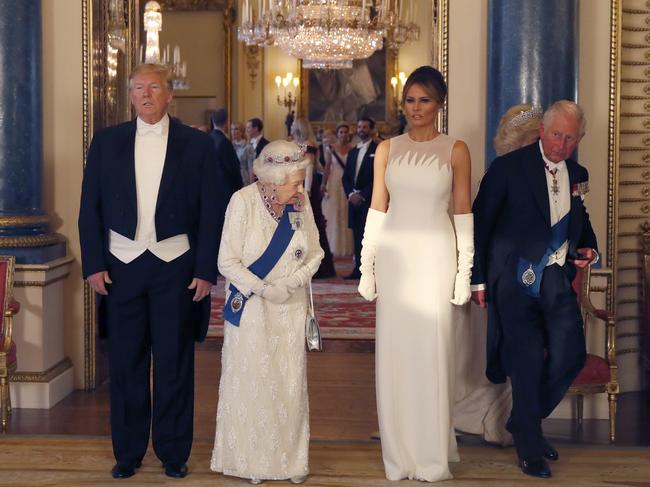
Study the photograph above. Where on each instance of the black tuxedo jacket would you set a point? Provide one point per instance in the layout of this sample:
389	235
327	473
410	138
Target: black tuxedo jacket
187	200
228	165
363	182
512	220
260	145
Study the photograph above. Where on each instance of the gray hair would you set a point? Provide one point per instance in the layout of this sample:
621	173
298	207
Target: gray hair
566	107
278	172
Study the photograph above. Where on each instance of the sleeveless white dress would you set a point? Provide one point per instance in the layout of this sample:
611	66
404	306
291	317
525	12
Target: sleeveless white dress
415	270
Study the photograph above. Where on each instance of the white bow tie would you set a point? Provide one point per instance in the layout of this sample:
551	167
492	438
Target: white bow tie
144	129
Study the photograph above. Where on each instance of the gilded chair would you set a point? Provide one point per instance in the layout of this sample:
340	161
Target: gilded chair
9	307
599	374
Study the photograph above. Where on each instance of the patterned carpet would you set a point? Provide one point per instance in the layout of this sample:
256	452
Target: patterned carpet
341	312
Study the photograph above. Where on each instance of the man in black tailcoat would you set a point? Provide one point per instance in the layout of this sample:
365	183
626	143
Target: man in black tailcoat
531	231
149	226
357	184
227	160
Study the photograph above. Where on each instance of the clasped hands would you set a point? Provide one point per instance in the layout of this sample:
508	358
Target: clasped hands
281	290
99	280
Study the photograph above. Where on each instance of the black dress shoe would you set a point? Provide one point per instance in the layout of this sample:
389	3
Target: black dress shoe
175	470
123	470
535	468
549	452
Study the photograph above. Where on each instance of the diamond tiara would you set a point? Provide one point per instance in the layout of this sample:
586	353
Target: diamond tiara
525	115
284	159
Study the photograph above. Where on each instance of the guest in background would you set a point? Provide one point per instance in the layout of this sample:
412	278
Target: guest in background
245	151
263	411
335	203
481	407
302	134
228	162
254	128
357	184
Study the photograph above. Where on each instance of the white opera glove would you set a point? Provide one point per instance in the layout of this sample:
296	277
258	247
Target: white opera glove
464	225
292	282
371	231
277	292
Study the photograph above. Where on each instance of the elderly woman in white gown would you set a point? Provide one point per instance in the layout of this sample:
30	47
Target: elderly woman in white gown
263	412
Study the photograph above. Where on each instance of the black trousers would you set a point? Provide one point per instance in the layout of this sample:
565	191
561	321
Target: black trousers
358	225
543	350
148	316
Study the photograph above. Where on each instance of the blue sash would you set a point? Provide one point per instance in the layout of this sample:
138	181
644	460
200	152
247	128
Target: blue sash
234	307
529	274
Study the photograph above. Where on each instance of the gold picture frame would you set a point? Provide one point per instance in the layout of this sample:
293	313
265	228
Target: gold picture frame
116	23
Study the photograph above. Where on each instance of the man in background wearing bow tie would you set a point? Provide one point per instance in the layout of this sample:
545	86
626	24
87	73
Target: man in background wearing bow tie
149	226
531	231
357	184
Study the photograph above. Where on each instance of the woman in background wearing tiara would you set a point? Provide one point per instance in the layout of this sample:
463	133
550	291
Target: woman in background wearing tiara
480	407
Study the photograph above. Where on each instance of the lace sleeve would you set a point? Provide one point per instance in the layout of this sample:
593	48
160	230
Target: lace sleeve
232	246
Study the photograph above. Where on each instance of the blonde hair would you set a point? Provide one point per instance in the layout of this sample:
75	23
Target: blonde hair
512	136
301	130
147	68
241	128
567	108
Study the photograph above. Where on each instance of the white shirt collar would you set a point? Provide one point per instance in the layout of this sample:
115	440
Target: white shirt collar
551	164
361	145
159	128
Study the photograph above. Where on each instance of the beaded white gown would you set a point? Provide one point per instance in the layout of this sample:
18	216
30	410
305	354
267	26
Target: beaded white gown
335	210
263	412
415	271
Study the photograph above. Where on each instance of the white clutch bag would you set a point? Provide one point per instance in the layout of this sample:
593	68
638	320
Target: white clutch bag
312	328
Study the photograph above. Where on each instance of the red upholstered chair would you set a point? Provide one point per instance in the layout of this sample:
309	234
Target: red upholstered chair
8	308
599	374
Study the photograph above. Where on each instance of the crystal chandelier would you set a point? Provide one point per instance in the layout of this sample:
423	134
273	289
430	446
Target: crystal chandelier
328	34
152	21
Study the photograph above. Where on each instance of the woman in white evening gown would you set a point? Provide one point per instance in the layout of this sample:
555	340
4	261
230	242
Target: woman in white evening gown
335	201
422	267
481	407
263	411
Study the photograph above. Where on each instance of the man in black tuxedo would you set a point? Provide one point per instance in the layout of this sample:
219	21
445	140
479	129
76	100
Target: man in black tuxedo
227	160
531	231
254	128
149	226
357	184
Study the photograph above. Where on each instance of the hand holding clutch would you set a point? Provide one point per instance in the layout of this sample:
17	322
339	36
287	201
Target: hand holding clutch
464	225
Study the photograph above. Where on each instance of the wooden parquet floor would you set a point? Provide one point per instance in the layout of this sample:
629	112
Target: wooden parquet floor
32	461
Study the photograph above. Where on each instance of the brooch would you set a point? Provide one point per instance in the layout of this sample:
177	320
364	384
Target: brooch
298	253
296	220
237	303
528	277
